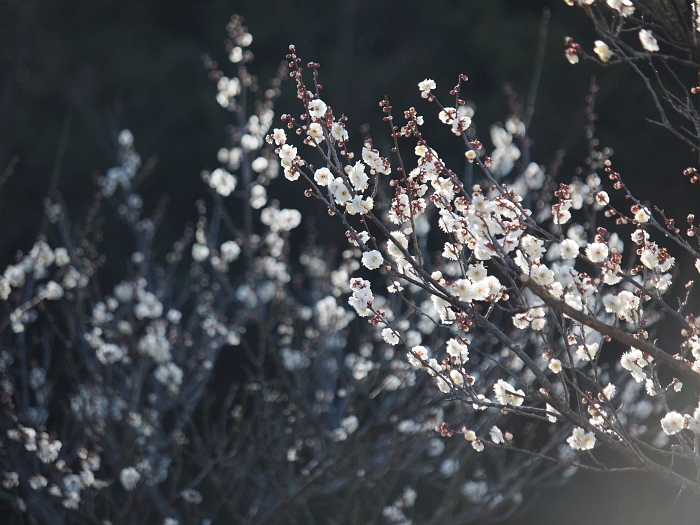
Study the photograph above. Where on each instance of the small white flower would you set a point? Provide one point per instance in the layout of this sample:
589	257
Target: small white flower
174	316
260	164
323	176
602	50
541	274
417	355
426	86
507	395
279	136
648	41
597	252
568	249
53	291
61	256
372	259
200	252
316	132
538	324
230	251
580	440
287	153
672	423
457	349
555	365
602	198
496	435
342	194
642	215
191	496
649	259
609	391
390	336
587	352
317	108
421	150
222	181
338	132
129	478
109	353
350	424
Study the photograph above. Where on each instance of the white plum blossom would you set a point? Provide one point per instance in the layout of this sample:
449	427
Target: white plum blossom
417	354
507	395
170	375
148	306
624	7
602	50
279	136
317	108
555	365
541	274
108	353
587	352
315	131
457	377
280	220
53	291
390	336
129	478
323	176
200	252
258	196
230	251
597	252
341	193
672	423
426	86
648	41
648	258
372	259
338	132
191	496
350	424
568	249
222	181
642	214
62	257
634	361
456	348
357	176
581	440
496	435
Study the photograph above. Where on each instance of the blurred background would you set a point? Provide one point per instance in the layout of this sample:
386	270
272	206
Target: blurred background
73	74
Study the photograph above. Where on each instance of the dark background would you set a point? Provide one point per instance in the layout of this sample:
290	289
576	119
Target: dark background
85	70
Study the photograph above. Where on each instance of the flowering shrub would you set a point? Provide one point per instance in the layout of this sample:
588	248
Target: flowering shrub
113	408
473	336
547	314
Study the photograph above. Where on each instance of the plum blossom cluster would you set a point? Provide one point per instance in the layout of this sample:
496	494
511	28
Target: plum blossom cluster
625	17
111	399
457	301
545	298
